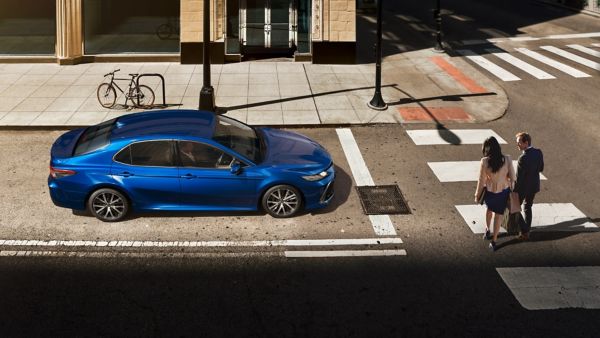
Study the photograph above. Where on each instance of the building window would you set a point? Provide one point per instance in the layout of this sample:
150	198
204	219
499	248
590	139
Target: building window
131	26
233	27
27	27
304	26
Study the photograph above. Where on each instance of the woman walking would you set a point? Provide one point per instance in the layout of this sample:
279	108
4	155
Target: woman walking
497	175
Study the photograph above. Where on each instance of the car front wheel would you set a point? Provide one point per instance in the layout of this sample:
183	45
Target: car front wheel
108	205
282	201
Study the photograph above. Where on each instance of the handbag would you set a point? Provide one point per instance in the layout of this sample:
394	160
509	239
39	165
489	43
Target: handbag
513	202
481	196
512	223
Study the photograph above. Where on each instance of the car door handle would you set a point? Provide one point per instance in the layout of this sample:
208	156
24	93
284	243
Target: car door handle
125	174
188	176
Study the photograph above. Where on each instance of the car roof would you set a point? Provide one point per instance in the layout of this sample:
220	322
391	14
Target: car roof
176	122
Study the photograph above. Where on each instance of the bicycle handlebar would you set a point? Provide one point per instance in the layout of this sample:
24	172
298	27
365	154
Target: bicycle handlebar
112	73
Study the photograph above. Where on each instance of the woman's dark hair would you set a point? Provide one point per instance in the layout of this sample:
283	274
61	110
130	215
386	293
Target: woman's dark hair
491	150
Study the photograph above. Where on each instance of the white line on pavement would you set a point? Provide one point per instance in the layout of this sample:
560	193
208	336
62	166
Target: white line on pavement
382	224
574	36
466	136
549	288
552	63
344	253
499	72
572	57
529	38
586	50
536	72
461	171
546	217
111	254
272	243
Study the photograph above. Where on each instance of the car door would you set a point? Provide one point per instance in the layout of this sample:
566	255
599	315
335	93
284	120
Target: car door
147	172
207	182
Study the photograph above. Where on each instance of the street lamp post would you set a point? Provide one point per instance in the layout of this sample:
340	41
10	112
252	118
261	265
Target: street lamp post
377	101
437	15
207	93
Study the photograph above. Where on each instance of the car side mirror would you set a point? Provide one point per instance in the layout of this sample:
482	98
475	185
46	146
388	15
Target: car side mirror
236	168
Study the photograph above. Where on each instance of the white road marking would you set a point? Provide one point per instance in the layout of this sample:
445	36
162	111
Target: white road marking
466	136
523	38
586	50
546	217
576	58
462	18
112	254
574	36
549	288
499	72
272	243
596	44
553	63
344	253
536	72
382	224
461	171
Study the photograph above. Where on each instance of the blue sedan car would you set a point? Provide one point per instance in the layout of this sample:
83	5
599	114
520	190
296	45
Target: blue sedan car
187	160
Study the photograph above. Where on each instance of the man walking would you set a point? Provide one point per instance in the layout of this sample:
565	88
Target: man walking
531	163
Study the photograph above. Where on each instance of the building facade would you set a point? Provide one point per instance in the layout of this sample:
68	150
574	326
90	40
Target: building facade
76	31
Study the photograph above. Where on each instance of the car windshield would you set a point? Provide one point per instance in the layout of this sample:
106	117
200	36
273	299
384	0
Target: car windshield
238	137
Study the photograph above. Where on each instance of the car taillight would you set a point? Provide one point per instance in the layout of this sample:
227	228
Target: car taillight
59	173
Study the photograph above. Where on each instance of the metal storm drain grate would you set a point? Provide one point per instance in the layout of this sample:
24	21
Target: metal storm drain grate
382	199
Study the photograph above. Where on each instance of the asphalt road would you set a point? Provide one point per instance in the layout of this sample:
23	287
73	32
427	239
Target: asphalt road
446	285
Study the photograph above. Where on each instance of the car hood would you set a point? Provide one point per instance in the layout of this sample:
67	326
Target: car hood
284	147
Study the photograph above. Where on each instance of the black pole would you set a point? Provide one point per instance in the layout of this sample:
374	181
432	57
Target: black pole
377	101
207	93
437	15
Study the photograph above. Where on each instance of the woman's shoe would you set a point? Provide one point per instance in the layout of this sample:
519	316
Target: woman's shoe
487	235
492	246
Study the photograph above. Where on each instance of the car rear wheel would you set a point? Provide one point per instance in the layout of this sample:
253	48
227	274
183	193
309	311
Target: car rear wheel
282	201
108	205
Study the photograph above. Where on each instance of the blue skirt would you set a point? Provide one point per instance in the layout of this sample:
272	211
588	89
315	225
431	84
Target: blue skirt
497	201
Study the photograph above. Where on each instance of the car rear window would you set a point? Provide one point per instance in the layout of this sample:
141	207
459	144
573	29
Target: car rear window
94	137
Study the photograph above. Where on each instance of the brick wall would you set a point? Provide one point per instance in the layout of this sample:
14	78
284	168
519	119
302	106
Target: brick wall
342	20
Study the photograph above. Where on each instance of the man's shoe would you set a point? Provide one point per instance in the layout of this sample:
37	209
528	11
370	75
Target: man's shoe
523	237
487	235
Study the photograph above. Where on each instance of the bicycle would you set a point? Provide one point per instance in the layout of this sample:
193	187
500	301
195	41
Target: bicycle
169	29
141	96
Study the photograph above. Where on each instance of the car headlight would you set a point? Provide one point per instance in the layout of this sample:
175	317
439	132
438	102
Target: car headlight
316	177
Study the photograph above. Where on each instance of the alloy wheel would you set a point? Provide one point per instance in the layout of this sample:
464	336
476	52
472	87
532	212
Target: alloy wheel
283	202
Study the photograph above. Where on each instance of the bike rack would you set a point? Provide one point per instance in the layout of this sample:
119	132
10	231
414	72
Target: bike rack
162	81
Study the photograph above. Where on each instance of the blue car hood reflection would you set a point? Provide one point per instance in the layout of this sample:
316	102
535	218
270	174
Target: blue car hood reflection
293	149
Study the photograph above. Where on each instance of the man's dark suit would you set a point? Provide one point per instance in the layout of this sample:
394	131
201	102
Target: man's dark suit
531	163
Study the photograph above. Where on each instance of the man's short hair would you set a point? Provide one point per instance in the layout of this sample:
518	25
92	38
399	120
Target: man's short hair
524	137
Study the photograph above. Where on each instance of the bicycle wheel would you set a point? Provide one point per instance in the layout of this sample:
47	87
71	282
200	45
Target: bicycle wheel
146	96
164	31
107	96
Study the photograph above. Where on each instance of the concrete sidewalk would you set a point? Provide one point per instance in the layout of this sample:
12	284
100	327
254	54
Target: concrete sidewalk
420	86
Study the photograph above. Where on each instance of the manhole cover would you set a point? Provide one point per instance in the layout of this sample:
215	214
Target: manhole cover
382	199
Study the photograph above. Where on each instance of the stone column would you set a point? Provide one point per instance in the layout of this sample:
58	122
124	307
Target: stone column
69	37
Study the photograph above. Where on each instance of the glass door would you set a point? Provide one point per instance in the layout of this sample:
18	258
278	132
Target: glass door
267	25
256	23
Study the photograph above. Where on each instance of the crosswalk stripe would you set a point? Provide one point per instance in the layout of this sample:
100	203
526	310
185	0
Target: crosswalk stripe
546	217
382	224
536	72
572	57
460	171
553	63
585	50
574	36
549	288
465	136
343	253
596	44
499	72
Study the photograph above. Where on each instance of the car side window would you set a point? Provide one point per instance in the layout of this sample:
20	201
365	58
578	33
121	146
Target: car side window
152	153
124	156
199	155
